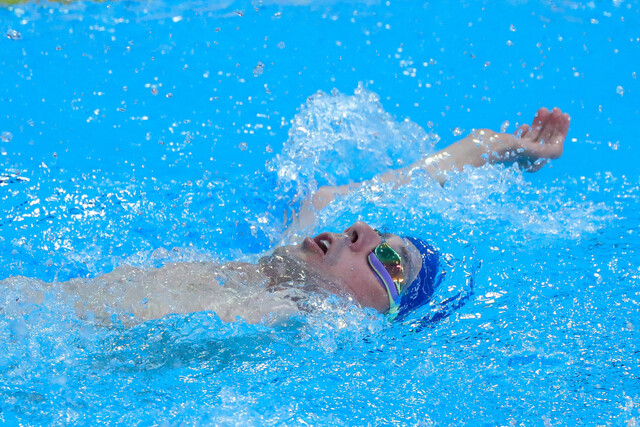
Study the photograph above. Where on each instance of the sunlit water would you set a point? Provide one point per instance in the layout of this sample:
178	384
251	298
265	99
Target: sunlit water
147	133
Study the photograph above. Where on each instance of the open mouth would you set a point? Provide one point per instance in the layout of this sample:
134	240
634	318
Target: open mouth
324	245
324	242
320	244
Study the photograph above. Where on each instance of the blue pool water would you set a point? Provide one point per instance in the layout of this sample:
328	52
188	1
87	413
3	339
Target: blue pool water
143	133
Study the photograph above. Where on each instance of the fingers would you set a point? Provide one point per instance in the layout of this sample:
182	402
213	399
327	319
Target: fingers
549	128
522	131
555	132
538	121
544	139
560	125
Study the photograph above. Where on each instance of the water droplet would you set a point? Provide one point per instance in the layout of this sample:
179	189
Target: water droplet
169	95
154	90
634	75
504	126
620	90
281	46
217	29
239	12
14	35
243	146
457	131
6	136
268	149
509	43
512	27
259	69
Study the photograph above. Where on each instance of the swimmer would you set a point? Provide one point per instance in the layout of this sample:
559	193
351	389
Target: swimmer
386	272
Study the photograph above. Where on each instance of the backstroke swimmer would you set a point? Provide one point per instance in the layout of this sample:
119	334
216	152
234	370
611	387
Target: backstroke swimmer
387	272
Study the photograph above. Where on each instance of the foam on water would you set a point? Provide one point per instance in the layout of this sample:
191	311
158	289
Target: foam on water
530	290
337	139
537	321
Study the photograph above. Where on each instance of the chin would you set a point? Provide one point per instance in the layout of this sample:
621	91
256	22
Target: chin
287	251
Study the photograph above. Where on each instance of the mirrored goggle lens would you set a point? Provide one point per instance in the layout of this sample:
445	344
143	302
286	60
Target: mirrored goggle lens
391	261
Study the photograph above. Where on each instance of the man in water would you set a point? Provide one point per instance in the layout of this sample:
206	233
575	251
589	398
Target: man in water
394	274
386	272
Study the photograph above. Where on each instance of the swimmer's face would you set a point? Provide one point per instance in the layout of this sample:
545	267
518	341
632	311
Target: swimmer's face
339	260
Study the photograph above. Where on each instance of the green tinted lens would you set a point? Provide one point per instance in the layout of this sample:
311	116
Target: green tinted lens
391	261
385	253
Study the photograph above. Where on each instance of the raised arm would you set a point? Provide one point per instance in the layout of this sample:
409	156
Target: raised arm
532	146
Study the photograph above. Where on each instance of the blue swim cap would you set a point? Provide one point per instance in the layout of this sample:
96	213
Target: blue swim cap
420	291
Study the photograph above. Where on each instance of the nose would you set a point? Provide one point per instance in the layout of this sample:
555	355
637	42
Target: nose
362	237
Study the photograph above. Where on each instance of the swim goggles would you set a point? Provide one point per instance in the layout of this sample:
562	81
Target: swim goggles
387	265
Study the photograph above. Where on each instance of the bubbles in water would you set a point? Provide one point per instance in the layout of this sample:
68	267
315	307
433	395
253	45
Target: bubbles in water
504	126
620	90
243	146
6	136
259	69
512	27
456	131
336	138
509	43
154	90
14	35
281	45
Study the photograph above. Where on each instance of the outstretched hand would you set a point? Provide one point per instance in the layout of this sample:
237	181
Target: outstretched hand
532	146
